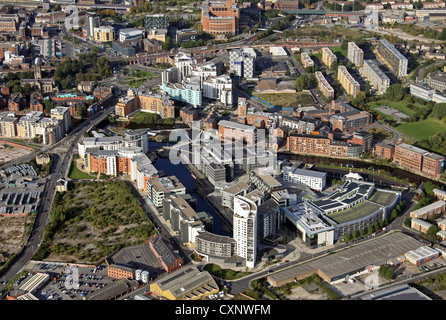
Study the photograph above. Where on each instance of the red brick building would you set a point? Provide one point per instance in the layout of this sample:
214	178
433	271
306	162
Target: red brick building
220	17
188	115
120	271
384	150
164	253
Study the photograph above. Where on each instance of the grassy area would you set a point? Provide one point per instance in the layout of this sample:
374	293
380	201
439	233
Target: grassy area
339	51
92	220
383	198
75	173
422	129
286	100
138	77
398	105
361	210
226	274
380	134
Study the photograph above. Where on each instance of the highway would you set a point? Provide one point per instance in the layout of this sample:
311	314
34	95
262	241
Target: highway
61	165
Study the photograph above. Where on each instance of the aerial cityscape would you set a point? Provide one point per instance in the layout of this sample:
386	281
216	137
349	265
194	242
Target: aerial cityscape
222	150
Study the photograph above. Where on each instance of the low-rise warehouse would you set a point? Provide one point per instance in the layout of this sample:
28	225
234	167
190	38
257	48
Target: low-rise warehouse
186	283
355	260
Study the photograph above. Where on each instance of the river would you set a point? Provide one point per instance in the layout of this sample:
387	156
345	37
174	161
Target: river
396	172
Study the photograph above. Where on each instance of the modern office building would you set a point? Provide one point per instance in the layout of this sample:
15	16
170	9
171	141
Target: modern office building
214	247
220	17
426	93
92	21
392	58
376	77
347	81
130	34
228	194
186	35
159	188
184	220
324	86
185	92
313	179
328	57
156	21
242	62
104	34
355	54
245	229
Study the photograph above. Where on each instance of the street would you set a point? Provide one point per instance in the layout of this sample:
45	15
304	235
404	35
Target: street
59	170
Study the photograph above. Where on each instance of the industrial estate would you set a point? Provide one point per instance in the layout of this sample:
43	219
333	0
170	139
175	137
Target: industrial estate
222	150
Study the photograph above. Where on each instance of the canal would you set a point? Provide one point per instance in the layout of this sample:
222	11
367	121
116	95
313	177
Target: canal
184	175
355	164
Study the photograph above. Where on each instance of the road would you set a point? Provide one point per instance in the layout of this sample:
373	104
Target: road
406	36
61	165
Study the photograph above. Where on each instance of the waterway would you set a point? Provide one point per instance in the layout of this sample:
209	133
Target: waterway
355	164
184	175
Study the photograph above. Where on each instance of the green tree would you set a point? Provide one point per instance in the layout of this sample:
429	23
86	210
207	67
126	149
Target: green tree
442	35
432	231
395	92
167	45
305	81
389	273
394	214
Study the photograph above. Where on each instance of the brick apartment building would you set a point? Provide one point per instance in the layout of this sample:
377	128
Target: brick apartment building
419	160
384	150
343	117
236	131
156	103
317	144
188	115
409	156
220	17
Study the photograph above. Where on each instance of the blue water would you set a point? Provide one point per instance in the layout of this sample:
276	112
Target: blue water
183	174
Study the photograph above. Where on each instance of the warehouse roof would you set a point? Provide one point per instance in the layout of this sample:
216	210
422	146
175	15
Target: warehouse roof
185	281
348	261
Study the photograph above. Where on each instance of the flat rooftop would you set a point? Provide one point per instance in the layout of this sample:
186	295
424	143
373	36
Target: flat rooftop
339	264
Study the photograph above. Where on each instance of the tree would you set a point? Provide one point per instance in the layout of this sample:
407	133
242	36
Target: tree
167	45
394	214
305	82
389	273
432	231
442	35
395	92
82	111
